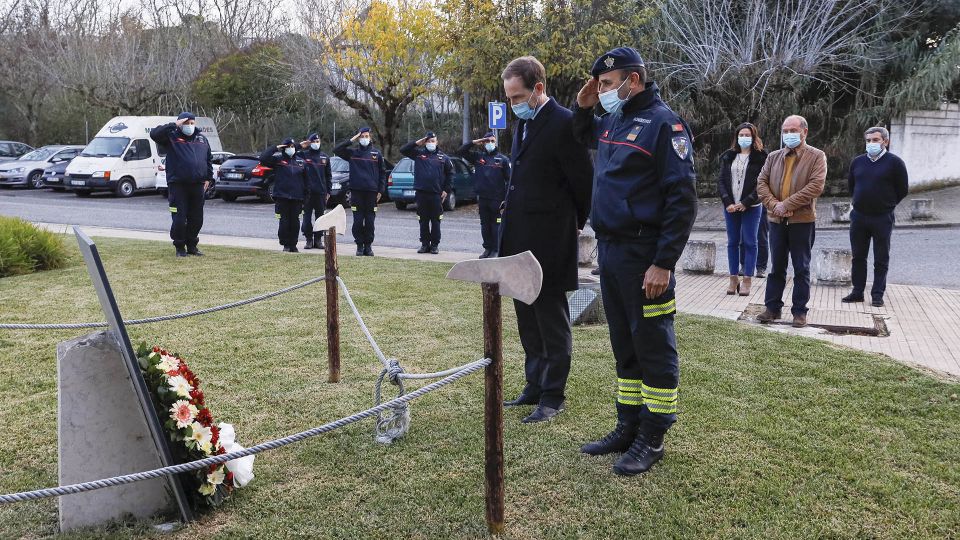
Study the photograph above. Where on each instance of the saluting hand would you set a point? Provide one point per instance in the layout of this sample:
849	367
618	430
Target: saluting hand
655	281
589	95
422	141
355	137
180	122
478	142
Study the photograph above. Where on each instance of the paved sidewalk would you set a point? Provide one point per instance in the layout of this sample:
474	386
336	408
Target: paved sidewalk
922	322
946	210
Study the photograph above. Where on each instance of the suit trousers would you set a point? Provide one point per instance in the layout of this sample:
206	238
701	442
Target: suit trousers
865	228
547	345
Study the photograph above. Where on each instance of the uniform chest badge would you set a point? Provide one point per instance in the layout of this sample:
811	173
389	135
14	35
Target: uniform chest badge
681	146
482	161
632	136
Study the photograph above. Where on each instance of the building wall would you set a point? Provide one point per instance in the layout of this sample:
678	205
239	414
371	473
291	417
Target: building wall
929	143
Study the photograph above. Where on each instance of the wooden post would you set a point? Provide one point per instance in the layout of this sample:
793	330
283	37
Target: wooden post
493	407
332	270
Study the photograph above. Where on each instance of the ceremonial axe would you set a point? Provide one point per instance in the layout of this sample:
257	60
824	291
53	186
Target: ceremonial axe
519	277
334	218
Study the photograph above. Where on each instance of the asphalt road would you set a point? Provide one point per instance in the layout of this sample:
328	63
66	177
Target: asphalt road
926	256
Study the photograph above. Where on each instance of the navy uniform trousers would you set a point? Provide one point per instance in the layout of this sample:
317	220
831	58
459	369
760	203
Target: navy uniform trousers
314	207
863	229
429	214
641	334
364	206
489	222
186	210
288	213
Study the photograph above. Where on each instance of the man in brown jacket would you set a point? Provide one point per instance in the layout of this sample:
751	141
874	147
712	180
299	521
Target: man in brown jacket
789	183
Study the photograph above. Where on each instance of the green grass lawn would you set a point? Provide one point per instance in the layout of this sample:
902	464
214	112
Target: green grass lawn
778	437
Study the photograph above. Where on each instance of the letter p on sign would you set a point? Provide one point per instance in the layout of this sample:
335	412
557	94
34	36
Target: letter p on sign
497	113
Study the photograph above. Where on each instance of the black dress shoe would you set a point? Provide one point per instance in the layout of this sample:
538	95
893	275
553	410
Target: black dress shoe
542	414
309	244
851	298
595	271
424	248
195	252
434	250
485	254
522	399
877	302
181	253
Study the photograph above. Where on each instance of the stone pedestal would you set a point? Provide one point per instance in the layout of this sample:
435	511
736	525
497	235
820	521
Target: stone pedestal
840	212
700	257
921	209
586	246
833	266
102	433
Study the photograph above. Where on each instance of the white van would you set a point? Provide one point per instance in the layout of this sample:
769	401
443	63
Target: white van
123	158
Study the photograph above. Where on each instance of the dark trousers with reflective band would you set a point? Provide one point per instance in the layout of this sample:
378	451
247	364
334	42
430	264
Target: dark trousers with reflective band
364	206
547	346
186	210
312	209
429	213
863	229
489	222
288	212
793	240
641	334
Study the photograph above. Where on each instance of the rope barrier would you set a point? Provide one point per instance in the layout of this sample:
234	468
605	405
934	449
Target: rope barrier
363	326
270	445
70	326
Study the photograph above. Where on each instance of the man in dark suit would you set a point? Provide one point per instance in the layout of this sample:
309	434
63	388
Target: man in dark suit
547	202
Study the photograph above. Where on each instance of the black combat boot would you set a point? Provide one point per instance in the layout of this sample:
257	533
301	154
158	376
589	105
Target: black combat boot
646	450
309	244
434	249
318	240
617	441
368	250
424	248
359	250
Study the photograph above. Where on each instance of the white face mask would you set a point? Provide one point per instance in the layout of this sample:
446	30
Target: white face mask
188	129
490	146
288	151
431	146
364	141
314	146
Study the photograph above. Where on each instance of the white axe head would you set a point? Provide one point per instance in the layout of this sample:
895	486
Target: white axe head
519	276
334	218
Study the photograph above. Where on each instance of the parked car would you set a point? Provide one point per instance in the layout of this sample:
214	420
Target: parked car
55	175
400	184
123	158
28	169
242	175
10	150
211	193
340	189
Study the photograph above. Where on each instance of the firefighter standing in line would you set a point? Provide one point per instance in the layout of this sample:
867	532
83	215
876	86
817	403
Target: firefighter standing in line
491	174
644	206
432	175
290	189
368	178
320	179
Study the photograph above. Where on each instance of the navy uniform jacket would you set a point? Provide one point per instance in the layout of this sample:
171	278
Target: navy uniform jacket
644	186
367	169
189	160
289	174
548	198
319	175
432	171
491	172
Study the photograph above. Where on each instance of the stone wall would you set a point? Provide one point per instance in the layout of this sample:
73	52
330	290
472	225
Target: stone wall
928	142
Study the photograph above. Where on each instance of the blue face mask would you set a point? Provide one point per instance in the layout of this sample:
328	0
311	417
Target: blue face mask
288	151
745	142
610	100
431	146
523	110
490	146
188	129
791	140
874	149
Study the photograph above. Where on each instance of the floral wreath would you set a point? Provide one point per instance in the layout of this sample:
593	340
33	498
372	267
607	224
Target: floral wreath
180	405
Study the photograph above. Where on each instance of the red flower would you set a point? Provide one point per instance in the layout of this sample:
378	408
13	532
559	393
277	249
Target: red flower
197	397
214	435
205	418
156	349
229	479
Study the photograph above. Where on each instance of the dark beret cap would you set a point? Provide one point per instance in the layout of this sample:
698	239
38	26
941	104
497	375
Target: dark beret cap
619	58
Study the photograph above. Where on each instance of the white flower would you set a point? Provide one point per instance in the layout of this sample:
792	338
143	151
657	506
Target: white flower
207	489
168	363
241	468
217	477
183	412
201	436
180	385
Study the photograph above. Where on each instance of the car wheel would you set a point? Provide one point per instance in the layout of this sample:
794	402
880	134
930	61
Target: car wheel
450	202
35	180
229	197
126	188
82	192
268	196
400	205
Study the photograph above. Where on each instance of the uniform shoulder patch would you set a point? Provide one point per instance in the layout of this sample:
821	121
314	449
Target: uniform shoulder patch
678	128
681	145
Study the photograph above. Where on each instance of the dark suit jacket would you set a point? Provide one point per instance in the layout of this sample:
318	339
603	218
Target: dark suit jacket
548	198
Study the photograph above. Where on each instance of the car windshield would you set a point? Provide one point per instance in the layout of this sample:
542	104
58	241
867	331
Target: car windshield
405	165
339	165
106	147
39	154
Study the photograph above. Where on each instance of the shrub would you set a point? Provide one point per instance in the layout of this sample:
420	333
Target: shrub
24	248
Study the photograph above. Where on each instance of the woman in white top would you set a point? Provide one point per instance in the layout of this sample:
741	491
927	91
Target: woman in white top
737	184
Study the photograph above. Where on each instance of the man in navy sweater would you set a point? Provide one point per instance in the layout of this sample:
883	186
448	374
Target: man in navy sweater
878	182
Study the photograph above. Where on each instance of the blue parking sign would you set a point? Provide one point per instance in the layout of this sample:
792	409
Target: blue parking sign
497	114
